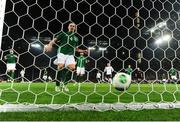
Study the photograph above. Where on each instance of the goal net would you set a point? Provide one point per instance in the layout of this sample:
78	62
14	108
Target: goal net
143	34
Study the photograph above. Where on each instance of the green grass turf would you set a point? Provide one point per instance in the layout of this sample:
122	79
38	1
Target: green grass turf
142	115
43	93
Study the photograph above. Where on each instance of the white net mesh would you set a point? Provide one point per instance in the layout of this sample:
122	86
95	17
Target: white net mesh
140	33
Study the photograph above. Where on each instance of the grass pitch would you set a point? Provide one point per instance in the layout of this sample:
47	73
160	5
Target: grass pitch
142	115
44	93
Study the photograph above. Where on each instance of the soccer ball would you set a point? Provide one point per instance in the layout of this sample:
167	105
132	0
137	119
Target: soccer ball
121	81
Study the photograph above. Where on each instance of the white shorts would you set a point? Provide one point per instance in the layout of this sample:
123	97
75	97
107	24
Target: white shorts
80	70
174	77
64	59
11	66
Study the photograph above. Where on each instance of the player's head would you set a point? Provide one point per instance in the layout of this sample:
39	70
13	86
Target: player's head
129	66
11	51
108	64
81	54
72	27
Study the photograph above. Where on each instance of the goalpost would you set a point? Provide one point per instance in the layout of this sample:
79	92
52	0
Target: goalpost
2	12
140	33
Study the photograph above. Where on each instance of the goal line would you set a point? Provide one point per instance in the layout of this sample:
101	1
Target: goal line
87	106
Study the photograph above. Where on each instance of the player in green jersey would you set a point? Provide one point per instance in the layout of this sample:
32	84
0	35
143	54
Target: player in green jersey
164	79
67	45
173	74
80	70
129	70
11	64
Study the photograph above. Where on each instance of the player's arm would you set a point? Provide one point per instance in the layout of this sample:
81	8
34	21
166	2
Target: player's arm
141	74
16	56
135	73
81	51
5	57
105	69
126	70
49	46
87	61
112	70
75	61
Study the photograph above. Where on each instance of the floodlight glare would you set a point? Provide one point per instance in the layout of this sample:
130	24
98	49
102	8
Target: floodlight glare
36	45
160	25
159	41
102	49
152	30
166	37
91	48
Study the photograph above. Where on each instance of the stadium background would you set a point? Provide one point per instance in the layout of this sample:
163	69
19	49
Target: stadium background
117	30
111	25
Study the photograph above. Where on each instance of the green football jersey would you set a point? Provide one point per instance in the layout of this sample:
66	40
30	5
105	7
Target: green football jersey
129	71
11	58
67	43
81	61
172	72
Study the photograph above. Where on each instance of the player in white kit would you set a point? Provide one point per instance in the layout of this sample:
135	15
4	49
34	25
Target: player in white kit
108	70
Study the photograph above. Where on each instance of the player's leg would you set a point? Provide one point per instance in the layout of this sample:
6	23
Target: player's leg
82	73
174	78
77	74
10	71
71	68
106	78
13	70
49	78
60	61
59	77
12	75
98	80
70	64
22	79
8	74
67	76
110	79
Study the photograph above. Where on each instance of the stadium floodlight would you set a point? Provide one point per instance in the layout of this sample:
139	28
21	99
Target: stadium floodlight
164	38
2	13
161	24
158	26
91	48
152	30
36	45
159	41
102	49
